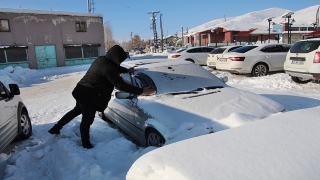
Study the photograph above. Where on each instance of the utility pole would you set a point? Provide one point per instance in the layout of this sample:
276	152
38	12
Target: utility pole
153	19
161	33
90	5
182	41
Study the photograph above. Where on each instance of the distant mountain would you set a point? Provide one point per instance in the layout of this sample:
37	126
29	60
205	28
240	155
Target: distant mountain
258	19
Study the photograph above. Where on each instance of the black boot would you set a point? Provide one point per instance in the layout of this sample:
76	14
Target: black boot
54	130
87	145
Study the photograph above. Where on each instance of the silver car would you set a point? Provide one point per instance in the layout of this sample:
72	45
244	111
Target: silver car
14	118
187	94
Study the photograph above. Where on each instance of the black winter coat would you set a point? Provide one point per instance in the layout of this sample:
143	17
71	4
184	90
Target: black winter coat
95	88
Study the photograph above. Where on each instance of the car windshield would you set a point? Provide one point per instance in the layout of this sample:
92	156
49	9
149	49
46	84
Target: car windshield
305	46
244	49
218	50
180	78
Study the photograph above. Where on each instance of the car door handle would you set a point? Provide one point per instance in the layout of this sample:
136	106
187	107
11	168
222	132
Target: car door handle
138	123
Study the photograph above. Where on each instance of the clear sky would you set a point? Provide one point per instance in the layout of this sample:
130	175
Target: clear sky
131	16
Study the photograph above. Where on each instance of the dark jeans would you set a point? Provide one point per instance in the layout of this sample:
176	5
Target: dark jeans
88	114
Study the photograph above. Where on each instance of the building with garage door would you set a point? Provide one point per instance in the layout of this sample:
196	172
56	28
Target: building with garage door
43	39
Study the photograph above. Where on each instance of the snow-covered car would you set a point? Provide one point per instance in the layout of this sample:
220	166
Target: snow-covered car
257	60
14	118
187	95
303	61
196	55
212	56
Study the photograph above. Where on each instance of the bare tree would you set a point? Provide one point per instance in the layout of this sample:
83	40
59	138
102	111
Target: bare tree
108	37
137	43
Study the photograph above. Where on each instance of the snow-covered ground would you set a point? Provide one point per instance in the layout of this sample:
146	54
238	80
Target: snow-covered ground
47	95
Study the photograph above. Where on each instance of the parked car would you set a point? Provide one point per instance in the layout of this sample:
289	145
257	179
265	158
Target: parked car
14	118
212	56
257	60
196	55
303	61
186	93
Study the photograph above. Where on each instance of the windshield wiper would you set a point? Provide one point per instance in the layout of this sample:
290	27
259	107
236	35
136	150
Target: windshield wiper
208	88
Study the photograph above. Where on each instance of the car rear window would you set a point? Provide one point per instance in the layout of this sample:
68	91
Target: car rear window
243	49
305	46
218	50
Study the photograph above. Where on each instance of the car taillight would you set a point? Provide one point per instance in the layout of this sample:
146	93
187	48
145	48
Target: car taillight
236	58
175	56
316	58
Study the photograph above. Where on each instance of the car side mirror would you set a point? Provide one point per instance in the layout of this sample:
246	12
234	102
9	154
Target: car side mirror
224	79
14	89
123	95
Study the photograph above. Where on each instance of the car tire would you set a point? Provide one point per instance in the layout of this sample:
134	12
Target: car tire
103	117
154	138
191	60
300	80
260	69
25	125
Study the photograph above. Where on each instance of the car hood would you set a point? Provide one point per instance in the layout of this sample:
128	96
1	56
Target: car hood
218	109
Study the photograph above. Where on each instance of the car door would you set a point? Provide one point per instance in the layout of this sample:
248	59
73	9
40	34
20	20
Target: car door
274	56
142	80
8	117
124	110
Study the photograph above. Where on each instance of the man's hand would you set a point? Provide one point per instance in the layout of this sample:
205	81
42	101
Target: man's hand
148	91
131	70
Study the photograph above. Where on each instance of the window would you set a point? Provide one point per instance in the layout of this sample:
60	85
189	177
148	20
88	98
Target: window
217	51
195	50
144	80
243	49
294	28
207	49
305	46
272	48
16	54
254	38
3	93
126	78
12	54
82	51
73	52
303	28
4	25
81	26
90	51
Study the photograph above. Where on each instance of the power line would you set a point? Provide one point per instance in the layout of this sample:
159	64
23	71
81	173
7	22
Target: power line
130	7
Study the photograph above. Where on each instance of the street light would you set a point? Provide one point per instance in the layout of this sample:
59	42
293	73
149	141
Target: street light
269	20
314	27
288	15
290	29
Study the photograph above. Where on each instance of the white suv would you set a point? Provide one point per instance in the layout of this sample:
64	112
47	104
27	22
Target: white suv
303	61
14	118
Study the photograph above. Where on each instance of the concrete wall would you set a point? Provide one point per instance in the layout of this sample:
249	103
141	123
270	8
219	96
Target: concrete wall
33	29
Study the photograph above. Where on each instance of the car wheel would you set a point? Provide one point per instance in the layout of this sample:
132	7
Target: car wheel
154	138
259	69
103	117
25	126
300	80
191	60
